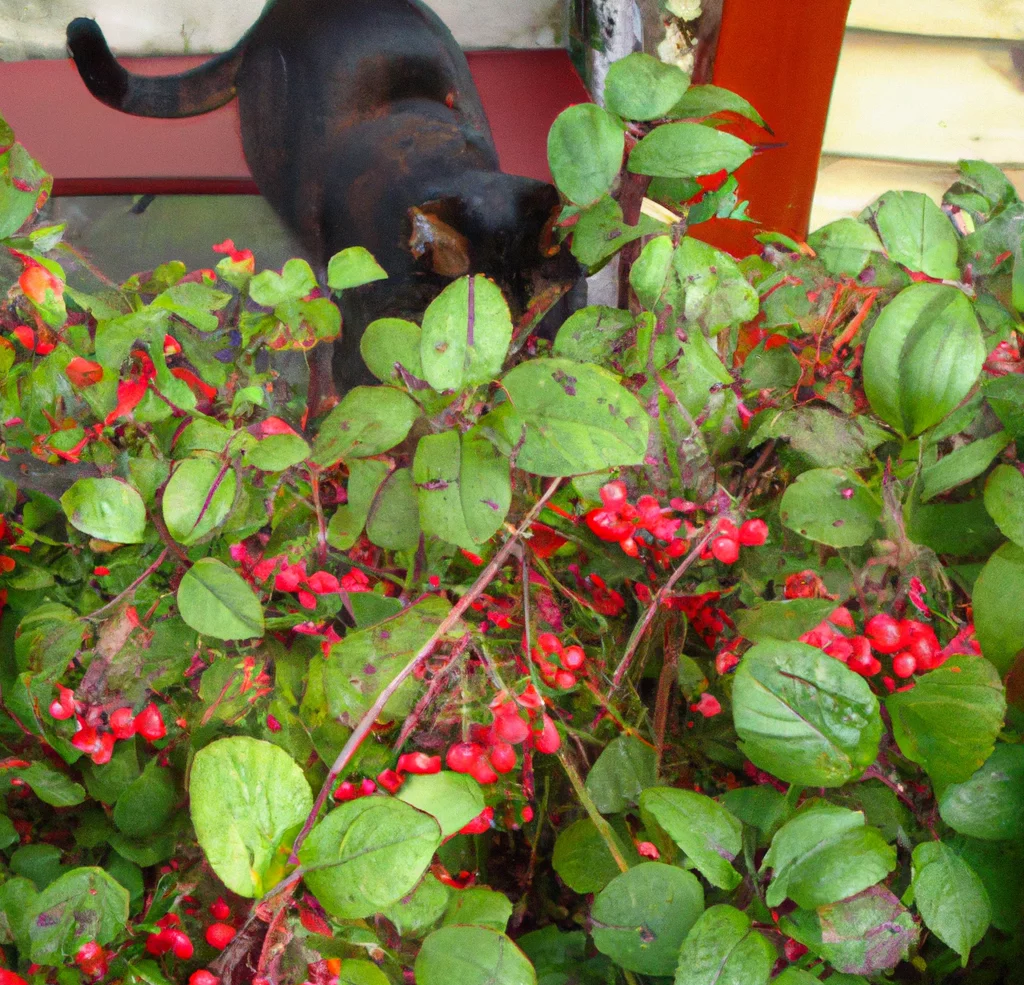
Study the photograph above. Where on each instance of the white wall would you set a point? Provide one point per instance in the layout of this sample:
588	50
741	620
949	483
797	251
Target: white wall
35	28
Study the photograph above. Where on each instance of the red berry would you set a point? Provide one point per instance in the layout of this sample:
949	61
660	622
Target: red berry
865	666
511	728
502	757
726	528
573	657
547	740
91	960
840	649
367	787
904	664
104	749
219	935
122	723
793	950
842	618
149	723
157	944
481	772
614	495
220	910
479	824
390	780
608	525
419	763
342	792
462	756
64	706
753	533
526	814
10	978
203	977
549	643
169	920
564	680
181	946
726	549
629	547
884	633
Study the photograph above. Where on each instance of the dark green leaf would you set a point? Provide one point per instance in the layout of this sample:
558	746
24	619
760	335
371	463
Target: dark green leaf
582	859
723	948
585	148
962	465
1004	500
787	620
989	805
1000	623
831	506
804	716
641	917
51	787
146	806
623	770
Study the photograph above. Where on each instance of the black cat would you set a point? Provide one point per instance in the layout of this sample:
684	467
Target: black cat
362	126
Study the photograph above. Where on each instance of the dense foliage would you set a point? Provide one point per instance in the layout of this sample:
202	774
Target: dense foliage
673	650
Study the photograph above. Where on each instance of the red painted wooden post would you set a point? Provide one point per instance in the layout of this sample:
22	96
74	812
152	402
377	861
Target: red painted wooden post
782	56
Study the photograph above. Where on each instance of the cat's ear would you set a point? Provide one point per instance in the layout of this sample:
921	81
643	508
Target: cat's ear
445	249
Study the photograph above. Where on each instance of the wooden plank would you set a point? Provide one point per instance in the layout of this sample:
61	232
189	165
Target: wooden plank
153	27
91	149
847	185
926	99
953	18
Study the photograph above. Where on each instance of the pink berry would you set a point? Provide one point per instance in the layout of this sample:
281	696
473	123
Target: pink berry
573	657
219	935
753	533
511	728
482	772
390	780
149	723
726	528
502	757
181	946
564	680
419	763
64	706
842	618
342	792
865	666
549	643
904	664
726	549
547	740
884	633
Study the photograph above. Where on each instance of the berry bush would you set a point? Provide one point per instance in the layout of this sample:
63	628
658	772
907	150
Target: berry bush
681	648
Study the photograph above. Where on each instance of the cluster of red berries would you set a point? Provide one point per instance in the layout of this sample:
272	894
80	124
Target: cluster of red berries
645	524
518	720
728	538
92	960
418	763
570	660
95	739
170	938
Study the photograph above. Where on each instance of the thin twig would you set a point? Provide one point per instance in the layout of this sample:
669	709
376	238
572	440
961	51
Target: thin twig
604	829
432	692
652	610
458	610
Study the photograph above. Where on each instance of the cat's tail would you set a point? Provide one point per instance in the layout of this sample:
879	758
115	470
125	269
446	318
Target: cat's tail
199	90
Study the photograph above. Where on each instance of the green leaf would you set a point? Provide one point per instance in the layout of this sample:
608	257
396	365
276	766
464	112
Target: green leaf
723	948
950	897
106	508
394	520
641	87
830	506
625	767
248	801
353	268
824	437
865	934
471	956
845	246
451	799
582	859
368	854
368	421
707	100
989	805
999	623
1004	500
804	716
964	690
271	288
922	357
602	231
365	662
197	499
389	343
686	150
277	452
17	895
82	905
51	787
466	333
570	417
146	806
961	529
917	234
480	907
1005	395
641	917
962	465
216	601
420	909
356	972
591	334
585	148
705	830
787	620
365	477
464	487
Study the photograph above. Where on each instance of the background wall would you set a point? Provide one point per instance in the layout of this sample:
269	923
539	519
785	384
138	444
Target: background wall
35	28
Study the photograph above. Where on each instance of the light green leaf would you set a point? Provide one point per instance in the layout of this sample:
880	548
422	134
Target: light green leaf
723	948
585	148
108	509
471	956
353	268
368	421
686	150
917	233
198	498
999	624
216	601
641	87
830	506
962	465
452	799
1004	500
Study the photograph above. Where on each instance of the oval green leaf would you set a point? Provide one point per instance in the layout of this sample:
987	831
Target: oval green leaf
585	148
389	343
917	234
804	716
198	497
452	799
248	800
1004	500
217	602
642	87
625	768
830	506
922	356
353	268
472	956
686	150
989	805
368	421
106	508
999	623
641	918
723	948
